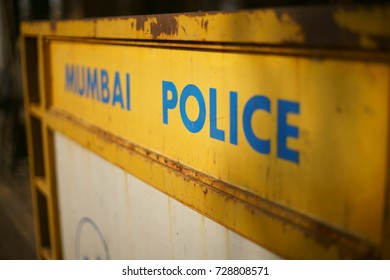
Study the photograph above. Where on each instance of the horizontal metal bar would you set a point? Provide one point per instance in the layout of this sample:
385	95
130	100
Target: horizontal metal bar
321	26
280	229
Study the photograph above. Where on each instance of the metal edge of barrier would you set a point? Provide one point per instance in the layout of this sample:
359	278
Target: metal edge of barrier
323	27
344	31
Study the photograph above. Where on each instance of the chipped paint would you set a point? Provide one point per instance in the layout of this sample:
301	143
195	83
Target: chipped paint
164	26
251	27
363	27
370	25
364	21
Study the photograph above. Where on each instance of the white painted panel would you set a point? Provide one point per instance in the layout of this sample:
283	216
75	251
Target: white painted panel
108	213
149	230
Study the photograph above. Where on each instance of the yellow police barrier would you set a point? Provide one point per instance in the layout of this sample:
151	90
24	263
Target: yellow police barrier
272	125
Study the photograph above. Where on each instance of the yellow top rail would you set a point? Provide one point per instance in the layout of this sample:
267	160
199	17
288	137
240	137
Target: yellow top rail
351	27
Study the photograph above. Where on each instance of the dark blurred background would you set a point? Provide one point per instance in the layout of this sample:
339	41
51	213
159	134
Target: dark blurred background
16	222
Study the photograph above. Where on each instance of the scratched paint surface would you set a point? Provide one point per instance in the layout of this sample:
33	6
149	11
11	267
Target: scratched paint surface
355	27
104	211
342	124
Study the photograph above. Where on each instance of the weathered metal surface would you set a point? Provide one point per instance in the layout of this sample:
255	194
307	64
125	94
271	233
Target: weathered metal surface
352	27
320	182
116	87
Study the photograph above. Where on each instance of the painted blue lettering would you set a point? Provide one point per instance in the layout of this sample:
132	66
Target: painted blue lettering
81	84
69	77
168	103
92	84
117	92
214	131
197	125
76	84
128	91
285	130
233	118
104	86
257	102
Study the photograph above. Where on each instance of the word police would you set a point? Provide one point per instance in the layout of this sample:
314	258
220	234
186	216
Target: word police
171	99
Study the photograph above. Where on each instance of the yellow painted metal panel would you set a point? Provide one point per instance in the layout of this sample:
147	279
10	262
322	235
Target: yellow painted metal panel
342	124
321	191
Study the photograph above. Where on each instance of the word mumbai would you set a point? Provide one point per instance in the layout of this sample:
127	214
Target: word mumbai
255	103
97	84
